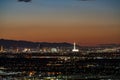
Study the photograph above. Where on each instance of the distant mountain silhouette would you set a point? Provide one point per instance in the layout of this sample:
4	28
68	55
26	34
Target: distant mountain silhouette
20	43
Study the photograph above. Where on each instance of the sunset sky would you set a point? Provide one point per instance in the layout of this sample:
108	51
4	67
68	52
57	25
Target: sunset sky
84	22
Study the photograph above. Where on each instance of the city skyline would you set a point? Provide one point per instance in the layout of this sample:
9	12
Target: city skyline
84	22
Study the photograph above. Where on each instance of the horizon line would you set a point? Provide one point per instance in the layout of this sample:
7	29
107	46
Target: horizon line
97	44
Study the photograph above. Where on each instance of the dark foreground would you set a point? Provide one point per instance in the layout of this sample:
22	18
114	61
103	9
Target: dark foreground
59	69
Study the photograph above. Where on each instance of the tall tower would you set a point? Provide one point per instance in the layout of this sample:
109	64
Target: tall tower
74	48
1	49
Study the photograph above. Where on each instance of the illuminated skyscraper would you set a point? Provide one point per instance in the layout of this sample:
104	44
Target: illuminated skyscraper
1	49
74	48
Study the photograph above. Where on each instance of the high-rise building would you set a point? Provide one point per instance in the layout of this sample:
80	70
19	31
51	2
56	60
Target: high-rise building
1	49
74	48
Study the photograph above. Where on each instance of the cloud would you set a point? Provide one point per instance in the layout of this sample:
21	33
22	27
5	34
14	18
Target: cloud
24	0
31	0
85	0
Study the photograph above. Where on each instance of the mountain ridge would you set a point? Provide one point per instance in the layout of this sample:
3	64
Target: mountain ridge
22	43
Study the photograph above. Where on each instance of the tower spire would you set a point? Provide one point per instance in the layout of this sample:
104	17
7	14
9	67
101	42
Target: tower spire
74	45
74	48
